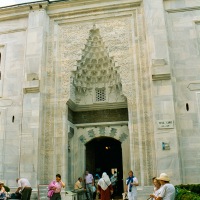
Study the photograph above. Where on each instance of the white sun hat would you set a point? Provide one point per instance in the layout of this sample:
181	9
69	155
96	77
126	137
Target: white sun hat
163	177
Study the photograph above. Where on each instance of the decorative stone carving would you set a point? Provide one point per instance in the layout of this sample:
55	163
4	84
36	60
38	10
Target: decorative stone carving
113	132
91	133
117	132
123	137
96	71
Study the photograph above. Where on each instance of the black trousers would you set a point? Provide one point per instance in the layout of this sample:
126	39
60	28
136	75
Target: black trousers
56	196
26	193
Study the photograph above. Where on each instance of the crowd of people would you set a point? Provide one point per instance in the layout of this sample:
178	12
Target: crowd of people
96	187
104	187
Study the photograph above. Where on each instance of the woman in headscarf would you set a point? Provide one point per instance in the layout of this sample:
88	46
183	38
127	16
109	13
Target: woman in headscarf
105	187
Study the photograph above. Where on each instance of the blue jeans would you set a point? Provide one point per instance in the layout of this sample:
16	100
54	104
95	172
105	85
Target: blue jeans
2	196
89	191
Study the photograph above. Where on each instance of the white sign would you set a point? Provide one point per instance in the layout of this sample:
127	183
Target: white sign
165	123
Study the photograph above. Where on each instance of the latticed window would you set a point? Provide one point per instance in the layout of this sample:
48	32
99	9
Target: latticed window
100	94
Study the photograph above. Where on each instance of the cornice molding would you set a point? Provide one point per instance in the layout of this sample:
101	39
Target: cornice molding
21	10
13	31
119	123
182	9
194	86
31	86
96	106
160	77
97	6
57	9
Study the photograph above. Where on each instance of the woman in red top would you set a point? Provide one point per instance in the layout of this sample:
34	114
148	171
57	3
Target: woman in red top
105	187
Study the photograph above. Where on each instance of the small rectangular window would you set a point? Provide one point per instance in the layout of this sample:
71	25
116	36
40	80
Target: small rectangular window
100	94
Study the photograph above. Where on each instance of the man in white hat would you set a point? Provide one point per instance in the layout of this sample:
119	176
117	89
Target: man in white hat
167	190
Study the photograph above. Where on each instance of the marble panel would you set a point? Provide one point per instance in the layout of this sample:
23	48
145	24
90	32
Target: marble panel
33	64
166	163
11	150
36	18
10	159
10	178
10	167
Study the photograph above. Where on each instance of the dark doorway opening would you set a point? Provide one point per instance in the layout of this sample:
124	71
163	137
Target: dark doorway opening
104	154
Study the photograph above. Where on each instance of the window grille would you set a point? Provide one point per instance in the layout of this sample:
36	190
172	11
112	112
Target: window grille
100	94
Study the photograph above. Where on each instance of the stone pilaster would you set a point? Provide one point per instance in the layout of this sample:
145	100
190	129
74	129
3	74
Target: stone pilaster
162	91
31	107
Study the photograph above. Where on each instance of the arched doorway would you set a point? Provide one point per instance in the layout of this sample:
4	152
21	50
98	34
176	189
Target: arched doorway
104	154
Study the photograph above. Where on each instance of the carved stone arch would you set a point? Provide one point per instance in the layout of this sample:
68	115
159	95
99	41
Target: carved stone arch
119	133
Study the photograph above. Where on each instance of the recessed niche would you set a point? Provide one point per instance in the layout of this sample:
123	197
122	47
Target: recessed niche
13	119
187	106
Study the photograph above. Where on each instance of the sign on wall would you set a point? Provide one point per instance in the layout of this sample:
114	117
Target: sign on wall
165	124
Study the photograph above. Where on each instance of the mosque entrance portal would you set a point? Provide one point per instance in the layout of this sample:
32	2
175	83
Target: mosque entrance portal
104	154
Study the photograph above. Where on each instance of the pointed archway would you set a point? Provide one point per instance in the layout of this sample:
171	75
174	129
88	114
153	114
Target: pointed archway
104	154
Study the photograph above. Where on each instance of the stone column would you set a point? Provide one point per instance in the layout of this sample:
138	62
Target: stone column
167	160
32	88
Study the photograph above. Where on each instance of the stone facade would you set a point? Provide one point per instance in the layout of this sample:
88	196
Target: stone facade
129	55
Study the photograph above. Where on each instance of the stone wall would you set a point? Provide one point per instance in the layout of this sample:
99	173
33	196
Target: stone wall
12	49
183	25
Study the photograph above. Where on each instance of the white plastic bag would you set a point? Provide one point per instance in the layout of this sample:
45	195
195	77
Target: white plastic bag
93	188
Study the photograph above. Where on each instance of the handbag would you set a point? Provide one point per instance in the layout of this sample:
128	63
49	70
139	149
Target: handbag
125	196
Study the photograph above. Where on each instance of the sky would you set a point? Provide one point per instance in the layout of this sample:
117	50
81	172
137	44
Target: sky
14	2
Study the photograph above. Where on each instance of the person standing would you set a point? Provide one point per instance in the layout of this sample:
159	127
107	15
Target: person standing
96	180
25	187
113	180
55	188
105	187
167	190
131	183
89	182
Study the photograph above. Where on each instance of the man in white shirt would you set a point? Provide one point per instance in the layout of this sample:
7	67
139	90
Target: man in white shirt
89	182
25	187
167	190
